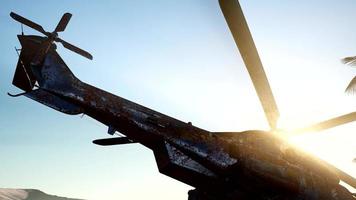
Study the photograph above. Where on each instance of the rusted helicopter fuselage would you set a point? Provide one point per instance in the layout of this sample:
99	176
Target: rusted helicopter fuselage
229	165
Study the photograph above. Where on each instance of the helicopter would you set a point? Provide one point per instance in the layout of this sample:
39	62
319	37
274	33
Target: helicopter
252	164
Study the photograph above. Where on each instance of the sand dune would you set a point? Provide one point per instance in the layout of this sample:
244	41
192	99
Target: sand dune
28	194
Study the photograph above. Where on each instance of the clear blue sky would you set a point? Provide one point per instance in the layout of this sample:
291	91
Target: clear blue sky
177	57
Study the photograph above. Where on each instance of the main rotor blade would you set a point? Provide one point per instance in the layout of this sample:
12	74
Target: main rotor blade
351	181
346	178
63	22
241	33
349	60
75	49
28	23
351	88
337	121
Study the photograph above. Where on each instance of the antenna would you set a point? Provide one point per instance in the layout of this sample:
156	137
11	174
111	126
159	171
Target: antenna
22	29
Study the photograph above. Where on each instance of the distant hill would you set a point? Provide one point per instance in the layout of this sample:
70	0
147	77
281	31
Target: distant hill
28	194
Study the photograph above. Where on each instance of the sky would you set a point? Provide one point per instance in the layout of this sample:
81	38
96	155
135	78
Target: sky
179	58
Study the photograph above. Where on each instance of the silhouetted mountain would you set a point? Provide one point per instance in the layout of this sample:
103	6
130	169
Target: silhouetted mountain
28	194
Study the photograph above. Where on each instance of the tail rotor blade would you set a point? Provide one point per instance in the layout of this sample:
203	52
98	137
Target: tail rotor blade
51	36
28	23
63	22
75	49
244	41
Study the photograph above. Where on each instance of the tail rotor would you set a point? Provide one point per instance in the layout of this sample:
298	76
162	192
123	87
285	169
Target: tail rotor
51	36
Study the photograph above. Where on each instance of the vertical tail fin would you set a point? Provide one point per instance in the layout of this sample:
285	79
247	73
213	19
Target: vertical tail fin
24	78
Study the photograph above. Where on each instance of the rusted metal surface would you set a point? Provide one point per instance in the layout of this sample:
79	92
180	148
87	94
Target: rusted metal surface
54	102
244	165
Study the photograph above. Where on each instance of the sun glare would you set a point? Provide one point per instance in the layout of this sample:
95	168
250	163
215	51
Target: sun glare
335	146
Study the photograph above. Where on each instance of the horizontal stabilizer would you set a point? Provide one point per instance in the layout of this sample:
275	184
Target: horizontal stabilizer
113	141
